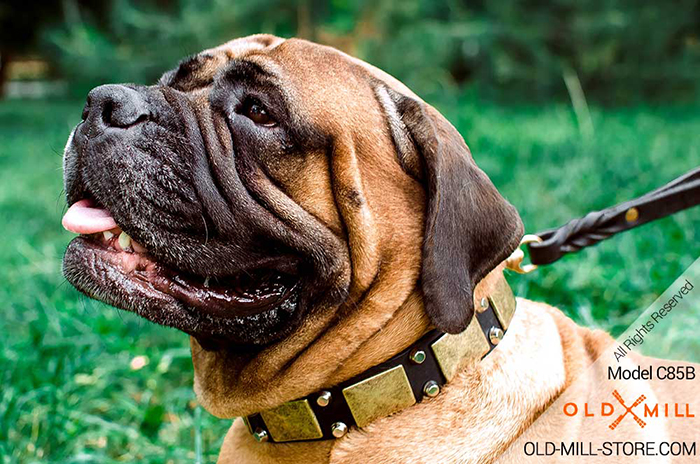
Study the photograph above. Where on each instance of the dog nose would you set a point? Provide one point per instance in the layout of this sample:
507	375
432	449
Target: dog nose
115	106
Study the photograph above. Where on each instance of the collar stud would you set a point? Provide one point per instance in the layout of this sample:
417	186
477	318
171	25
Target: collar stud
260	435
339	429
495	335
431	389
324	398
417	356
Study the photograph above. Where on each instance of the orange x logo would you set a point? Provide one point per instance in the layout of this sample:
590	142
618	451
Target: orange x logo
628	410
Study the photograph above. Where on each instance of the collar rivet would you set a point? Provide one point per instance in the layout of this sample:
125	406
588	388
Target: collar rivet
431	389
260	435
495	335
483	305
324	399
417	357
338	429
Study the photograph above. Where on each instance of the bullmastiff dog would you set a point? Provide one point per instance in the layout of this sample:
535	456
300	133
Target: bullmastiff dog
327	241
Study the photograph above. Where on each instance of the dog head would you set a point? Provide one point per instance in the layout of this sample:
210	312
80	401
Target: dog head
267	190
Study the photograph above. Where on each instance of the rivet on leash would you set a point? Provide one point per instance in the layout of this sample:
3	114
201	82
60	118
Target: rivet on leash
483	304
338	429
431	389
324	399
260	435
495	335
417	357
632	214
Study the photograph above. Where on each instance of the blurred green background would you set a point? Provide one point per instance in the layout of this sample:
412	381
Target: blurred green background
569	106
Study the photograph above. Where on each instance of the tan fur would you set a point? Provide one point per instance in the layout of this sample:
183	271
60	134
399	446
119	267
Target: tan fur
383	235
587	381
361	195
479	416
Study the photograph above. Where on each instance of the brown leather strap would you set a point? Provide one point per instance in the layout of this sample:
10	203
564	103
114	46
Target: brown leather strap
679	194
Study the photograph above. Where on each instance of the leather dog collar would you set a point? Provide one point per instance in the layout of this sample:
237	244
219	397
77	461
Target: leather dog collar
418	372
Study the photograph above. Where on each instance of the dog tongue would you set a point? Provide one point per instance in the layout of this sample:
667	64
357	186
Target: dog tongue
83	218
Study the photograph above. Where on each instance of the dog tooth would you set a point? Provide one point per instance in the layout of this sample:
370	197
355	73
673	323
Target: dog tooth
107	234
206	282
124	241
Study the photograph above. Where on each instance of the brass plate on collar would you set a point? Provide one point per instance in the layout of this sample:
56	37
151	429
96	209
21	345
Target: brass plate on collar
292	421
503	302
451	350
380	395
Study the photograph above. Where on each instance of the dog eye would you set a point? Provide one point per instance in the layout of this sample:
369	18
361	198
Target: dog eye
258	114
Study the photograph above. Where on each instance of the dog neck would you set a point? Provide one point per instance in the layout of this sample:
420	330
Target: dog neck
416	373
385	318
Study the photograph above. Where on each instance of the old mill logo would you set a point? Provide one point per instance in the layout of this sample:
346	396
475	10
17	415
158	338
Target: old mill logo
633	410
628	410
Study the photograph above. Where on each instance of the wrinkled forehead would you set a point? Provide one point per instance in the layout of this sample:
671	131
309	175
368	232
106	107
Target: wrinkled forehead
199	70
320	78
289	59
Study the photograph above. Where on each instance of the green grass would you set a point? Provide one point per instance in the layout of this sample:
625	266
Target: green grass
68	391
540	162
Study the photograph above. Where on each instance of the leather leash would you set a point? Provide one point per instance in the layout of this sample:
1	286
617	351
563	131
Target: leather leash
550	245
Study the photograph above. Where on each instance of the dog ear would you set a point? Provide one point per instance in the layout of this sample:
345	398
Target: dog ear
469	227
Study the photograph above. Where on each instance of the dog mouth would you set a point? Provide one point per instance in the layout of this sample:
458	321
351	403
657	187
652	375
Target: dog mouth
105	263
